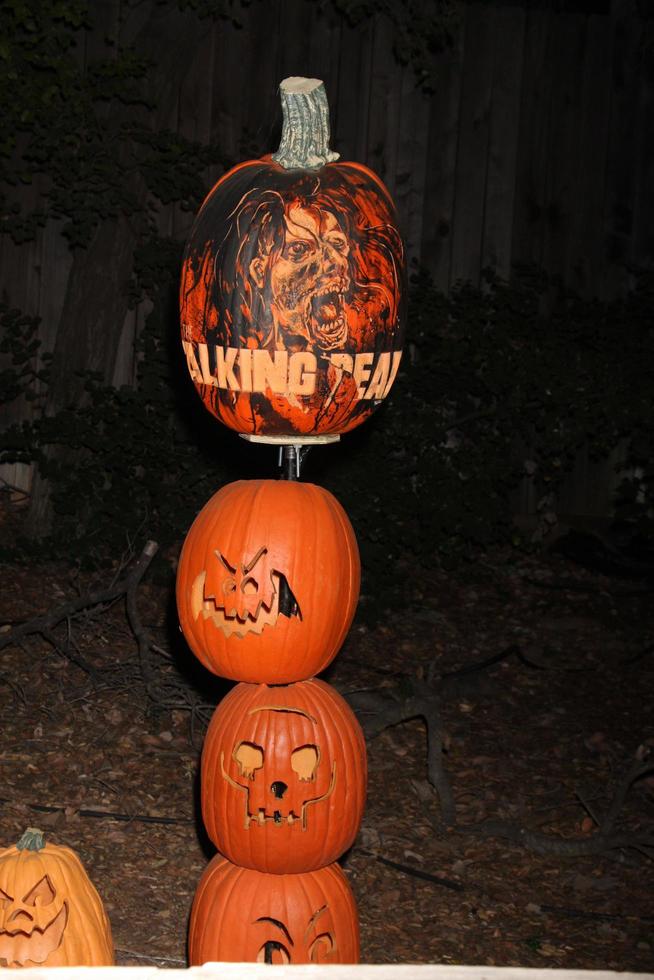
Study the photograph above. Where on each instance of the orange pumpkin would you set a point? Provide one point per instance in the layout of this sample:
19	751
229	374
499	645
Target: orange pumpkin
50	913
292	290
268	581
239	915
283	781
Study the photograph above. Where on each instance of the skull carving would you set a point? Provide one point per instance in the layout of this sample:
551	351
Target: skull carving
283	776
268	581
50	913
246	916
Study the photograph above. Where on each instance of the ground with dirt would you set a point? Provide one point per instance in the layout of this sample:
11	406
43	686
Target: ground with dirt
538	739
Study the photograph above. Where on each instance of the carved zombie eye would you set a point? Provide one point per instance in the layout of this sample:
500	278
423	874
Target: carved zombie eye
296	251
339	242
304	762
5	900
43	892
249	758
321	948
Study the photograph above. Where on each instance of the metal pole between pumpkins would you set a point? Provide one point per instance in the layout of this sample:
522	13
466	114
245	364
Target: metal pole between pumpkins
292	313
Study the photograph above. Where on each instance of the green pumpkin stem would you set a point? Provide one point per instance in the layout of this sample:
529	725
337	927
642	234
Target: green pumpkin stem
305	127
32	840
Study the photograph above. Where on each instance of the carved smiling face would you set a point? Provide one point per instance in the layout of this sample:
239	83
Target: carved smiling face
268	580
50	913
246	916
283	776
242	597
31	925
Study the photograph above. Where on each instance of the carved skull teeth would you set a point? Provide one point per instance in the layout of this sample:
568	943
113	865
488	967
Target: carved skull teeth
275	819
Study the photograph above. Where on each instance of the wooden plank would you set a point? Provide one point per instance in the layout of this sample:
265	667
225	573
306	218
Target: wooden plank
533	140
586	253
472	151
566	65
363	971
440	178
508	49
412	143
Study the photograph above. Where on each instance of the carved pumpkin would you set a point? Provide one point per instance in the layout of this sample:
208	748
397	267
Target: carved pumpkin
50	913
283	776
292	286
239	915
268	581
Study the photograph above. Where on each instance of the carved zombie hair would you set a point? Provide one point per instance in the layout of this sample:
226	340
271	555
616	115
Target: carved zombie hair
235	308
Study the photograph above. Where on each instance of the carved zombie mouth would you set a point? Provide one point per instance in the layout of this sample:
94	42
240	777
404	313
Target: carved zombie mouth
325	318
23	947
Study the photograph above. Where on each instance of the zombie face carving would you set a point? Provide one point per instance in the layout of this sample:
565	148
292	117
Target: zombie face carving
308	280
283	776
291	299
246	916
50	913
242	597
268	581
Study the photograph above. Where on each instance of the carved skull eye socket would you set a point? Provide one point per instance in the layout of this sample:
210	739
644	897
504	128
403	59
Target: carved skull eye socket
43	893
249	758
321	947
250	586
5	900
304	762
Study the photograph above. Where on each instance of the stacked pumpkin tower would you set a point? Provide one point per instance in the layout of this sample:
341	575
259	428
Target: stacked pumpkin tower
292	321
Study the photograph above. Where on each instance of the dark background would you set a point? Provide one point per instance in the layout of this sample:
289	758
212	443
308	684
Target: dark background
516	140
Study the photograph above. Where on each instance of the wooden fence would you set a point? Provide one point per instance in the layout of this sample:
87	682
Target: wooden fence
537	144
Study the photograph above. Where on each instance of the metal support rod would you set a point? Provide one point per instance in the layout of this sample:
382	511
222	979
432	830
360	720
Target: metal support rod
290	460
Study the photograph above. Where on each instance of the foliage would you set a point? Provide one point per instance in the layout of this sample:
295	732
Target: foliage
81	135
421	29
497	384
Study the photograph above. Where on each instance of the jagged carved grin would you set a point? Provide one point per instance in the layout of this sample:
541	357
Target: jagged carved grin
226	617
20	947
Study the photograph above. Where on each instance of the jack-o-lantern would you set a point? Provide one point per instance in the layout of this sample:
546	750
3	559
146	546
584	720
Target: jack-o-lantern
268	581
283	780
245	916
50	913
292	286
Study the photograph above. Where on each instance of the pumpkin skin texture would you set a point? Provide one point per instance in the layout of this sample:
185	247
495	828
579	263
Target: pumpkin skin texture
283	779
239	915
292	298
268	581
50	913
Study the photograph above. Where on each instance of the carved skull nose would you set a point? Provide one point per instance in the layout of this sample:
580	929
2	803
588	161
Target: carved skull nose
278	789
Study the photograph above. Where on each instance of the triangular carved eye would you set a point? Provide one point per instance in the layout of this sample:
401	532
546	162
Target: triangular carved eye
43	893
5	899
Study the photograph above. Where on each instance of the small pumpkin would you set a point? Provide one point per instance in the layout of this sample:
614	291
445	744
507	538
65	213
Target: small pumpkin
50	913
292	289
245	916
283	781
268	581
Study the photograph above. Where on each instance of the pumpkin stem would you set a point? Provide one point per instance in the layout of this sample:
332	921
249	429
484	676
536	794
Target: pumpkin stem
32	840
305	127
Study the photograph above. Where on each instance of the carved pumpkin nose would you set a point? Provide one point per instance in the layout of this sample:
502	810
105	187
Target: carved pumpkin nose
19	914
278	789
